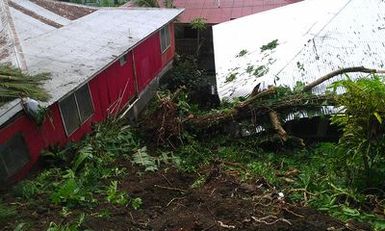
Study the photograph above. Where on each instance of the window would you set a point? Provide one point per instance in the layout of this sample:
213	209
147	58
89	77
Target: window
13	156
165	40
76	108
123	60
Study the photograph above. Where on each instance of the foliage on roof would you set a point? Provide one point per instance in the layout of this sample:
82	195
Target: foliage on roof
14	84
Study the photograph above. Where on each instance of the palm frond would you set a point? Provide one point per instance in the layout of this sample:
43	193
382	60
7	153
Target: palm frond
14	84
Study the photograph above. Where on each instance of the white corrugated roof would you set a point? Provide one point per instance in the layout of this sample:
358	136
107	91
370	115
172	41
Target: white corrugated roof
314	37
79	49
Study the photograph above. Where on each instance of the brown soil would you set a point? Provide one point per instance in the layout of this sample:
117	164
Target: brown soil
69	11
170	202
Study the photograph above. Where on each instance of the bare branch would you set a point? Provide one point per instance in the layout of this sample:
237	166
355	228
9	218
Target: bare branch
322	79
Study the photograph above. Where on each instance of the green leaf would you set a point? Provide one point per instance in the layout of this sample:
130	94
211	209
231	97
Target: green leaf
378	117
142	158
84	154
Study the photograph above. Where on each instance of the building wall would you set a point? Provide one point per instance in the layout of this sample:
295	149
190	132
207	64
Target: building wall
111	90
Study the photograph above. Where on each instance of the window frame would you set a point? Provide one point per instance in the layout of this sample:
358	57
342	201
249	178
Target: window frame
81	123
166	32
17	137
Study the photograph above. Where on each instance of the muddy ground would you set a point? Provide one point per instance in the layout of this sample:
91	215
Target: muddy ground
174	200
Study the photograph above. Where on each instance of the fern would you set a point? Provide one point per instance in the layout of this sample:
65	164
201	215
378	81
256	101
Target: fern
361	120
84	154
142	158
116	197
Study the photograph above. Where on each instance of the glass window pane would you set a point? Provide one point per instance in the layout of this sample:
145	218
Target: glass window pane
13	156
162	45
168	40
164	38
70	114
84	102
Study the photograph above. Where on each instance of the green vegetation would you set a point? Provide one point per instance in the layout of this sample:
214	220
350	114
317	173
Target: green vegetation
242	53
231	77
169	3
270	46
341	179
363	138
185	73
146	3
318	178
6	212
75	226
82	175
200	25
344	179
260	71
15	84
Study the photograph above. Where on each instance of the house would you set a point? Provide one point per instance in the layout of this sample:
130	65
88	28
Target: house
100	61
213	12
298	43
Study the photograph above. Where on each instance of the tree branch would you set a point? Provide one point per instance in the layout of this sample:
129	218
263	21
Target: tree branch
322	79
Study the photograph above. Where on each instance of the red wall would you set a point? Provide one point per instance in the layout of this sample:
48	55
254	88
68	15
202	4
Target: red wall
110	90
149	60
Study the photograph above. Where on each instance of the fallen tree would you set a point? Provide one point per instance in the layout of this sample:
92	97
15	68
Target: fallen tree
268	108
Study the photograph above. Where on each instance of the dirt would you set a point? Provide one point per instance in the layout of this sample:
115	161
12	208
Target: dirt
66	10
170	202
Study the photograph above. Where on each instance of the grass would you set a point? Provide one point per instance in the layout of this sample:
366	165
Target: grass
82	176
91	177
6	212
319	180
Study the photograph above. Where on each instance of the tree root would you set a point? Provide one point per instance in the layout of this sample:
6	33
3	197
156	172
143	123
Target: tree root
276	219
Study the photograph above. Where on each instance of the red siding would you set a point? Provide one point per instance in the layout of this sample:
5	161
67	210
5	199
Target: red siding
110	90
148	61
120	85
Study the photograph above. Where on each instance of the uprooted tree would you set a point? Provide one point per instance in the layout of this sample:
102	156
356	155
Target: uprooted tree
267	108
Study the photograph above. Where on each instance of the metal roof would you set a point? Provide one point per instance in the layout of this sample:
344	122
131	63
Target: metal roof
217	11
76	52
21	20
78	49
314	38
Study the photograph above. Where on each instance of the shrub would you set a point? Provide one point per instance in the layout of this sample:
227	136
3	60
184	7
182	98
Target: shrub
361	119
185	73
